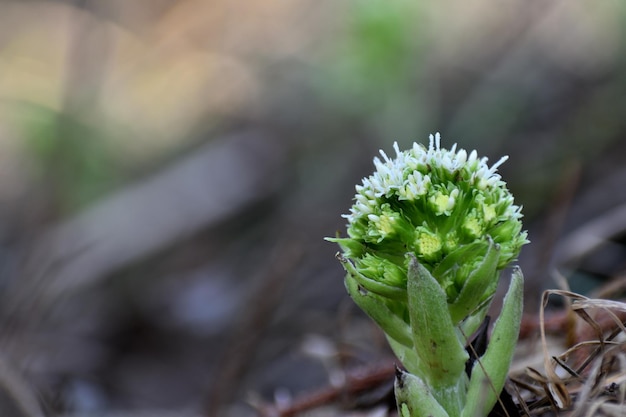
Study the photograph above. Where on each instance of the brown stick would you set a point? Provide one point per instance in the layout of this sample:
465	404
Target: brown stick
356	382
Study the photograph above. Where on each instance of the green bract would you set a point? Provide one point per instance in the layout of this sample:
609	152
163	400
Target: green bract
428	235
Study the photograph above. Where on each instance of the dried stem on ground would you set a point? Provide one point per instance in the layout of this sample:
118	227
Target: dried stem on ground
357	382
586	379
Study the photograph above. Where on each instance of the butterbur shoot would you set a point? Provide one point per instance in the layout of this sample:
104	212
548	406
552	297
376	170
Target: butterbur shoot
428	235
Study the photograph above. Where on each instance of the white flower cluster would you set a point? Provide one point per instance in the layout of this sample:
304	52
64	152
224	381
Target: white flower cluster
408	177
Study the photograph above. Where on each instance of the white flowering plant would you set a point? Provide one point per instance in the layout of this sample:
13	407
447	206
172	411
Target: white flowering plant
428	235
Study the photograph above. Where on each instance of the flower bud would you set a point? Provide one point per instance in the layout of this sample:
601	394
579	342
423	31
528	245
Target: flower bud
434	203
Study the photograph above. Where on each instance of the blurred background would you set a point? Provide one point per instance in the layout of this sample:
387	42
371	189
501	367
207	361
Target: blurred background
169	169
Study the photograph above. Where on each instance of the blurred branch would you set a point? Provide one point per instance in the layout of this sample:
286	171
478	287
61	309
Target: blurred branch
197	192
16	394
358	381
263	299
599	218
593	234
148	413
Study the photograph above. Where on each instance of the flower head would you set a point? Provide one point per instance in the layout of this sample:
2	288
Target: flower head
432	202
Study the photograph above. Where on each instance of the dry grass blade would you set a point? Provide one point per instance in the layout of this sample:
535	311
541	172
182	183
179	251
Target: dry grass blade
587	379
557	391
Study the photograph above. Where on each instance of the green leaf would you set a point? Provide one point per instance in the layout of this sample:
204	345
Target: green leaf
435	338
456	262
414	398
371	304
490	372
477	286
351	247
377	287
406	354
